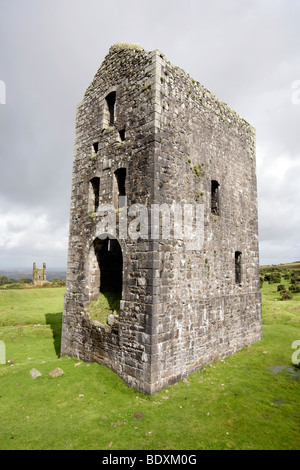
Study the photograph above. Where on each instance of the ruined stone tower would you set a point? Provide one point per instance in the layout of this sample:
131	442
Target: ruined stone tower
148	132
38	274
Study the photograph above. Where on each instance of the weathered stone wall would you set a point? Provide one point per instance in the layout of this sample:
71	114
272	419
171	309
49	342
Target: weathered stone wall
180	308
203	313
126	346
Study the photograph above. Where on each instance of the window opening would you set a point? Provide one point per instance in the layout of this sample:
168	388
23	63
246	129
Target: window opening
215	196
96	147
109	263
120	175
94	193
110	101
122	134
238	270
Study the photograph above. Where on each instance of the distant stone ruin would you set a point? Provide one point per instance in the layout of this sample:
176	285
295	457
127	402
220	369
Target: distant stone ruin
38	275
149	140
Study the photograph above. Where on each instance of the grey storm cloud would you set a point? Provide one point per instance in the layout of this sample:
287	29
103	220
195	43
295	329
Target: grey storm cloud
246	53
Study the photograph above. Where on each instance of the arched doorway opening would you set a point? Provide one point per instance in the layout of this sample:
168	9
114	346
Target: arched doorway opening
110	261
106	271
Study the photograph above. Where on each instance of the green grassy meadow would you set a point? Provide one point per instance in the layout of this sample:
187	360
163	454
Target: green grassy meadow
249	400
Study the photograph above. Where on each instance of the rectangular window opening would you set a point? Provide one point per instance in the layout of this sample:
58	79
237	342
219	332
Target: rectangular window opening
94	193
110	102
95	147
238	267
120	176
122	134
215	197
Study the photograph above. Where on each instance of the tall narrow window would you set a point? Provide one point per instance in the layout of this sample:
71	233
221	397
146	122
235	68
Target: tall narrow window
95	147
110	102
238	267
122	134
120	177
215	196
94	191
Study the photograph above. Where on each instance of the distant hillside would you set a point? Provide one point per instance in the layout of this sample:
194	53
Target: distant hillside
294	265
18	273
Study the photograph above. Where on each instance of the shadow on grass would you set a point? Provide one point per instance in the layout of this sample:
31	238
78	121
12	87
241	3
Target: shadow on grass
55	322
112	300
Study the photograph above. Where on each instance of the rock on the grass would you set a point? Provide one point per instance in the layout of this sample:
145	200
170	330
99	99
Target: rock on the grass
35	373
56	372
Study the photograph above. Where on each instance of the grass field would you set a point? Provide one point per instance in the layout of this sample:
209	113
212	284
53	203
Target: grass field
250	400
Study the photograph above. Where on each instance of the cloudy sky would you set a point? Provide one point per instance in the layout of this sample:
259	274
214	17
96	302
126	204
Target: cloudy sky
247	52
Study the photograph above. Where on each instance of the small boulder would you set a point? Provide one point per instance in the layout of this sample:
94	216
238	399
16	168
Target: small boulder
56	372
35	373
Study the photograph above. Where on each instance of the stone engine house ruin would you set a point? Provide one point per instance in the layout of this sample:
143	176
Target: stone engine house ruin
147	131
38	274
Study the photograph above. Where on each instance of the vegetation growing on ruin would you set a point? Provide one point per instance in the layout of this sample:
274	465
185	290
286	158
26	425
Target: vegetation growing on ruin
107	303
119	46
